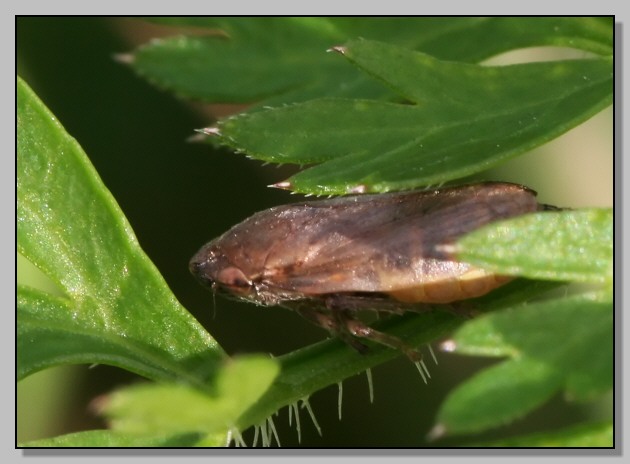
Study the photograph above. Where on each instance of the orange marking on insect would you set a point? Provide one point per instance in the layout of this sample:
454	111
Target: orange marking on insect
474	284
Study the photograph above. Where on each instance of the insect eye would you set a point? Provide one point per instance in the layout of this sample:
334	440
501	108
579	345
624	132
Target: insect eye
233	277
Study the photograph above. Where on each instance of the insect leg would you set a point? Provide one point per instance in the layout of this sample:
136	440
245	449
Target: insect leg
358	329
332	323
339	320
347	327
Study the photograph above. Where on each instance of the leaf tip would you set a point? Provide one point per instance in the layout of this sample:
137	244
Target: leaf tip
124	58
338	48
284	185
214	131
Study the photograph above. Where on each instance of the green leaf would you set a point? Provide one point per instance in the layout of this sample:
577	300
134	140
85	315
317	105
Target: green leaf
473	39
281	60
581	361
112	439
466	118
595	435
567	246
583	355
439	36
177	414
157	409
51	331
497	396
288	55
116	302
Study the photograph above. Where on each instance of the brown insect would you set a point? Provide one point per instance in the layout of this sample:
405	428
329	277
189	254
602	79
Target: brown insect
328	259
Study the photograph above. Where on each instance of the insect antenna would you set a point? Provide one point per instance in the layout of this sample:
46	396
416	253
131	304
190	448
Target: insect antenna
214	301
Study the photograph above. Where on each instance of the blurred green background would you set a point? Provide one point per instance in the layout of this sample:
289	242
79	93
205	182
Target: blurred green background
177	195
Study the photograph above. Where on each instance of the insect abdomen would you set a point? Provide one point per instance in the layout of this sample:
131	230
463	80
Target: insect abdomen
473	284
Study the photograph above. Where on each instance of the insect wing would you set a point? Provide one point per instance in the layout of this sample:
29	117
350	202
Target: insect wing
381	243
